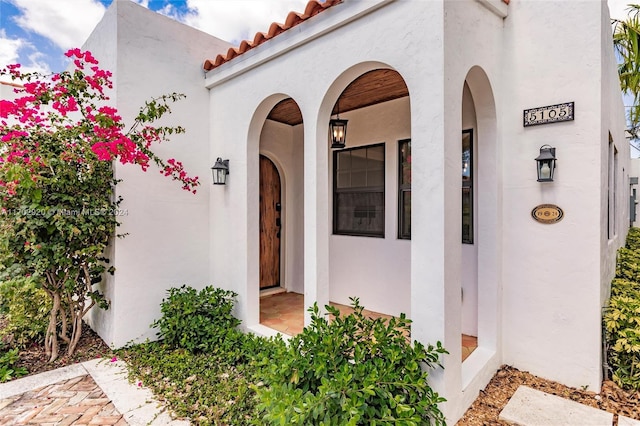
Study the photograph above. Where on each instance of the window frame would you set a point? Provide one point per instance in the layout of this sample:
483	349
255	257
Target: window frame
470	239
363	189
402	189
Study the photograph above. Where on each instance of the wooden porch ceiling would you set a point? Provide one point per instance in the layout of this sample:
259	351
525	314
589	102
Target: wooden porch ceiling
370	88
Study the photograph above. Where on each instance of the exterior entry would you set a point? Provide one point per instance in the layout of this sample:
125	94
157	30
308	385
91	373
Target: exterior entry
270	224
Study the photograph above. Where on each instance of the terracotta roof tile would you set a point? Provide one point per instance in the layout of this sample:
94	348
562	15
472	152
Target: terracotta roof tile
313	8
293	18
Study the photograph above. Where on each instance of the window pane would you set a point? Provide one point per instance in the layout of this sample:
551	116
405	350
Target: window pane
358	178
466	157
359	159
405	214
467	187
404	189
359	191
375	178
405	163
360	213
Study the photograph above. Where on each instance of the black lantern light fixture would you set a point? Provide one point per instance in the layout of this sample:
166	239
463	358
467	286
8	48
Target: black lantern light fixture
338	131
220	170
546	162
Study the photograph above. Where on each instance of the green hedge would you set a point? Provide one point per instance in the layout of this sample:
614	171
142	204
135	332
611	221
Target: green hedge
622	316
26	308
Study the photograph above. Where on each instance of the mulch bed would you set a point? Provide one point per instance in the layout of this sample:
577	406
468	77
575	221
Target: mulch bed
486	408
90	346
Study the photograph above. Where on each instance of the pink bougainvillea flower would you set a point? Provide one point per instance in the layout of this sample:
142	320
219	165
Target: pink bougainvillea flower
114	359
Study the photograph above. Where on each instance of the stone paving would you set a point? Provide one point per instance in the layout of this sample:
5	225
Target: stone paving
92	393
77	401
531	407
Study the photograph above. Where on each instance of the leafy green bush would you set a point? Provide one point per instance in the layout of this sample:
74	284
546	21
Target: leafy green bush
26	309
8	370
622	323
633	238
350	371
628	264
622	316
198	321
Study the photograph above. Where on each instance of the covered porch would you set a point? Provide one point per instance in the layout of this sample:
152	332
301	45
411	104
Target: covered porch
284	312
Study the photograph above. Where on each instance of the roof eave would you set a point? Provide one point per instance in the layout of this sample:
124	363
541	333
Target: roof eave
303	33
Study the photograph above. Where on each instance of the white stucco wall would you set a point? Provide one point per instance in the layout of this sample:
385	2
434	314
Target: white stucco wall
613	121
167	243
554	274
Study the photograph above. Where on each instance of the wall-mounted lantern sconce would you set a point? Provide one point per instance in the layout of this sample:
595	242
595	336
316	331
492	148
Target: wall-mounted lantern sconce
220	170
338	131
546	163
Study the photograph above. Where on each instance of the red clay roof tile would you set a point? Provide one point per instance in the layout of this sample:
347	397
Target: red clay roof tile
293	18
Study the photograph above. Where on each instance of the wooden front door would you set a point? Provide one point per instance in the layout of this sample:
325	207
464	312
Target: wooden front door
270	224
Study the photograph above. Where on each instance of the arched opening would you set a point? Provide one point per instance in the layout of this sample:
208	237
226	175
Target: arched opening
469	252
481	220
370	195
280	220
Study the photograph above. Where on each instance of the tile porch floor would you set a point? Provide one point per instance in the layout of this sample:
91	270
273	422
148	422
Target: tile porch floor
284	312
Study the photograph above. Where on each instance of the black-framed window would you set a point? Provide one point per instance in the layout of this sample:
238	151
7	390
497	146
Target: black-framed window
404	189
358	191
467	186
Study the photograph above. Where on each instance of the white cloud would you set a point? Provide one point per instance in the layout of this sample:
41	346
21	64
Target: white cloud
9	49
66	23
618	8
238	19
15	50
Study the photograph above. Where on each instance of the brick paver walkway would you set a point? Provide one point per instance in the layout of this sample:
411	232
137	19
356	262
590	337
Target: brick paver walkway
77	401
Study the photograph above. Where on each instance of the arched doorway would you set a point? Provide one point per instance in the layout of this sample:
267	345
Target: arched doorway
280	202
270	224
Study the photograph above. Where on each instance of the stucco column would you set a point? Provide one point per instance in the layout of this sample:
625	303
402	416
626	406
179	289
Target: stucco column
428	228
316	218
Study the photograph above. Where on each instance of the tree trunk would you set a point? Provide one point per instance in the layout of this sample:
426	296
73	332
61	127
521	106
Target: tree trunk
77	332
51	341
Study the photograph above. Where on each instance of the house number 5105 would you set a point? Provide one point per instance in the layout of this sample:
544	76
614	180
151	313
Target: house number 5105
548	114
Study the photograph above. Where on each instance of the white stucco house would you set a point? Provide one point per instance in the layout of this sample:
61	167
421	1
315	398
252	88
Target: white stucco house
428	209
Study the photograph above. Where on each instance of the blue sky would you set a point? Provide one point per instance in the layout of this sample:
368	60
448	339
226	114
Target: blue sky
36	33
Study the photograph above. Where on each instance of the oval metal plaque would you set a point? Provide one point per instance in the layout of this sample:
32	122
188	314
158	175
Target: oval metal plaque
547	213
